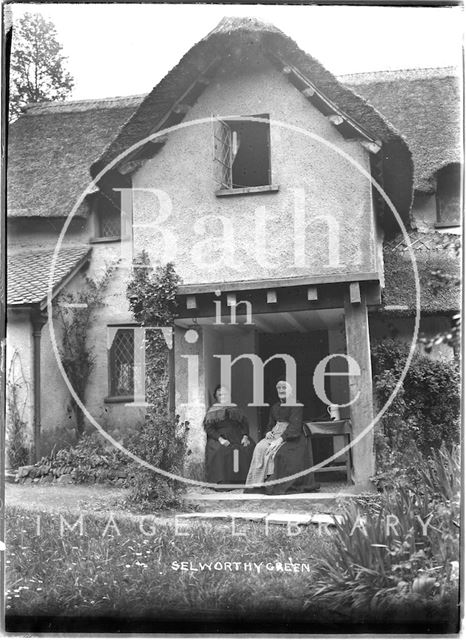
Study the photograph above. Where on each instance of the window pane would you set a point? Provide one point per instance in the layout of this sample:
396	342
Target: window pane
109	216
122	363
110	225
251	165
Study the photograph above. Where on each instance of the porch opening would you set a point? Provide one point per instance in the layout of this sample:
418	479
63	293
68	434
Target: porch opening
308	337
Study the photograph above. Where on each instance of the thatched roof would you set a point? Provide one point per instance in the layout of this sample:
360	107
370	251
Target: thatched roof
438	265
243	34
53	145
51	148
28	273
425	105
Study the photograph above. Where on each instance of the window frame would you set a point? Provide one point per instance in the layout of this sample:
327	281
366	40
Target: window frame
225	187
98	214
113	395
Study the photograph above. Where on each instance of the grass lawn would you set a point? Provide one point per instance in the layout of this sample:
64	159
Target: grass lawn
130	573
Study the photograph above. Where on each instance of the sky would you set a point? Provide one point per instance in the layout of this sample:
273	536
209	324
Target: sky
122	49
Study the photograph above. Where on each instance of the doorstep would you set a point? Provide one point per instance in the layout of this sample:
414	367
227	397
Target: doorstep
277	518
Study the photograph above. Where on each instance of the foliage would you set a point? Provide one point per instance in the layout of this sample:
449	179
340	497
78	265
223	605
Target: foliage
17	451
399	557
439	279
426	409
161	439
76	353
37	69
89	460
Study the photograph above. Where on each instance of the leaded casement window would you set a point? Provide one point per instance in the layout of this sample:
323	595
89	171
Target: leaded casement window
108	216
121	363
242	153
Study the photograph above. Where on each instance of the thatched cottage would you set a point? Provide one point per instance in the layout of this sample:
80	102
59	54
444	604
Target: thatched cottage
264	203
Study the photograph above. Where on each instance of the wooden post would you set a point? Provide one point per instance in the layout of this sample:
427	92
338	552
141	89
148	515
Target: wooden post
171	377
362	410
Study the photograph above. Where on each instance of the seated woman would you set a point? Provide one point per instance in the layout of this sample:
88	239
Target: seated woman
227	432
283	451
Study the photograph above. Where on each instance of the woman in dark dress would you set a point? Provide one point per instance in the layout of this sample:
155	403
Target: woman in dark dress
283	451
229	447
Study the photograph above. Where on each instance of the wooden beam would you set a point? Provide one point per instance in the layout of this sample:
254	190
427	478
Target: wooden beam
231	299
312	293
355	293
372	147
294	281
308	93
293	72
191	302
272	296
360	390
296	324
335	119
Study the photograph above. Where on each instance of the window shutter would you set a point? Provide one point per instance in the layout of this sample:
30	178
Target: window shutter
223	157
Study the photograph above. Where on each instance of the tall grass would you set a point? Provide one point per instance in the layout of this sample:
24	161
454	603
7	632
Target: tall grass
130	574
399	557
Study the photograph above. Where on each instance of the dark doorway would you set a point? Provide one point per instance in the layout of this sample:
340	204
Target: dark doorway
307	349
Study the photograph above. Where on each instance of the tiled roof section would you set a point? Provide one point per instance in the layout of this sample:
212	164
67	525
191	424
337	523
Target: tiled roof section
51	148
28	272
438	264
425	106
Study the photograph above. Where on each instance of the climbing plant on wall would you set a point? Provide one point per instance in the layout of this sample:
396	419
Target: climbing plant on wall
160	439
75	314
17	391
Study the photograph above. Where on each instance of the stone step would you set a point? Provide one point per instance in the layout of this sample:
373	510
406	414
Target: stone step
278	518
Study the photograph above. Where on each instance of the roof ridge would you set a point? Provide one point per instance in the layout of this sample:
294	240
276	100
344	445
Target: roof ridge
411	73
87	104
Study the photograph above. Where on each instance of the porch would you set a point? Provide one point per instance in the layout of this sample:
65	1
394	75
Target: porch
318	327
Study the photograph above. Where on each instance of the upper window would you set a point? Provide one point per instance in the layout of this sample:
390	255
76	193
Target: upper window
242	154
449	196
108	216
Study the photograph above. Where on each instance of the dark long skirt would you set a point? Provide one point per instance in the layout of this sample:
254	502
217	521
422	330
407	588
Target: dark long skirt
291	458
220	462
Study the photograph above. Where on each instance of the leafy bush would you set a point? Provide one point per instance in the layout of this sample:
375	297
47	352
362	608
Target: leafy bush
75	314
89	460
426	409
401	556
17	451
161	439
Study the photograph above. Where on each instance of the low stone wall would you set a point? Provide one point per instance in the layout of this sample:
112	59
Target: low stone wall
45	472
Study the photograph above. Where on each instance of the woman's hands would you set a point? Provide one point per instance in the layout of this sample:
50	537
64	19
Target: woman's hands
273	446
269	435
224	442
245	441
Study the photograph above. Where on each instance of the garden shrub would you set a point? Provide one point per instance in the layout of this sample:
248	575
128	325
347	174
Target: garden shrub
161	439
398	558
90	460
426	409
